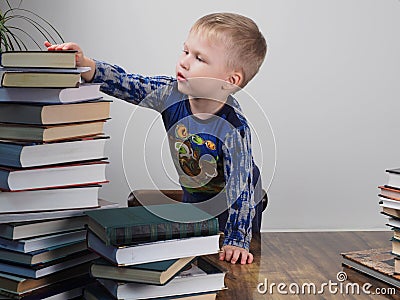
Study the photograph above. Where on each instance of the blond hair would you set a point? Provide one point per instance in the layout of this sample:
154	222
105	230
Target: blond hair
243	40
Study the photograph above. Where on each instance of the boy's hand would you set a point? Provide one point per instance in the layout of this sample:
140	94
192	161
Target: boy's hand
81	60
232	254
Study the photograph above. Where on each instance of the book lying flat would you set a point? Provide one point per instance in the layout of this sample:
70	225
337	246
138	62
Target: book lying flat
16	179
53	214
37	77
49	199
50	133
155	251
43	242
20	230
38	59
158	273
19	285
377	263
68	289
389	192
44	269
85	92
96	291
29	154
200	278
43	255
132	225
52	114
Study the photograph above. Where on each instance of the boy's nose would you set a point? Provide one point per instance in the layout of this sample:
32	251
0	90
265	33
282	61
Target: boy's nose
184	63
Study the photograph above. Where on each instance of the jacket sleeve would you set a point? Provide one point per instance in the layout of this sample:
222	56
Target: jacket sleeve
238	172
141	90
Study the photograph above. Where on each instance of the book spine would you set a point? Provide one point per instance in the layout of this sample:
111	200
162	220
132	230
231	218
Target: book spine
122	236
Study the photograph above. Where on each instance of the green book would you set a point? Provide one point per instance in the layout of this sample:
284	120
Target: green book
157	273
140	224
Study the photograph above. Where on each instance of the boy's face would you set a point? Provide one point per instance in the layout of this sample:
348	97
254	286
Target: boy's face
201	69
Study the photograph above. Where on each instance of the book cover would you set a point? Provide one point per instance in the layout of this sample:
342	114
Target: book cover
132	225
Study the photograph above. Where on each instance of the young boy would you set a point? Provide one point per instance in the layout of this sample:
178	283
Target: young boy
209	137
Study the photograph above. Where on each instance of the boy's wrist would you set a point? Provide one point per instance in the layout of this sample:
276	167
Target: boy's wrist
88	62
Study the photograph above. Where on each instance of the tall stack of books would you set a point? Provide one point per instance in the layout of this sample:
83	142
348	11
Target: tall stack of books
52	165
381	267
154	251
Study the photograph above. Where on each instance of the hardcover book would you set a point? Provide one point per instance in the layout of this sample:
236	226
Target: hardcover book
17	179
49	199
50	133
85	92
158	273
52	114
37	77
30	154
133	225
47	268
43	255
20	230
154	251
200	278
38	59
377	263
20	285
53	214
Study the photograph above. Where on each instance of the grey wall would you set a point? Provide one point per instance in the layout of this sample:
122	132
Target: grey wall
329	86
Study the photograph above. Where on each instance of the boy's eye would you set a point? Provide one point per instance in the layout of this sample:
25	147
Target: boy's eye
199	59
186	52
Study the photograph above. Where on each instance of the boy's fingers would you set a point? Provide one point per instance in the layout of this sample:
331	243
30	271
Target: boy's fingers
244	257
235	256
250	258
228	254
222	255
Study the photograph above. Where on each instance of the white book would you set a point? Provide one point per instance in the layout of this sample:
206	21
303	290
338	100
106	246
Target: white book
199	279
389	203
53	214
155	251
43	242
28	154
15	179
49	199
84	92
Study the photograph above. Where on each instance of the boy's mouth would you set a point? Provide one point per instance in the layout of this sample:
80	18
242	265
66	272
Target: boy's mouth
180	77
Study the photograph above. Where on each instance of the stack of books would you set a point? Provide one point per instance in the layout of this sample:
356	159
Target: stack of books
380	267
52	165
154	251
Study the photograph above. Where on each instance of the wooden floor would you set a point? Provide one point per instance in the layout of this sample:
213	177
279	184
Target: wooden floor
303	257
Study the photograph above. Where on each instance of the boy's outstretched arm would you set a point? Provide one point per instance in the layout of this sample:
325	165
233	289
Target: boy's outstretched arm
81	60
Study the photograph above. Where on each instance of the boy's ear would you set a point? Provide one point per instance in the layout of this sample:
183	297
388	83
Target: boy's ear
234	81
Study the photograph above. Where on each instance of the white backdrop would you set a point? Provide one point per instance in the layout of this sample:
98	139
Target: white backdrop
330	87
